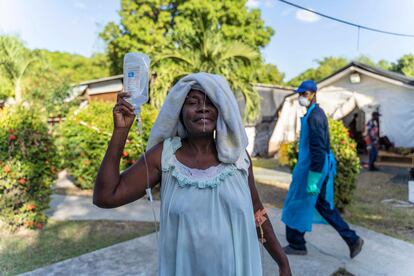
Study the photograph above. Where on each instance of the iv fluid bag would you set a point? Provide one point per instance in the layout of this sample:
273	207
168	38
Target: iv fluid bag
136	79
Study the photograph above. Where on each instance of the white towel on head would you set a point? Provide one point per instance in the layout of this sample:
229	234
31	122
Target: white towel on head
231	138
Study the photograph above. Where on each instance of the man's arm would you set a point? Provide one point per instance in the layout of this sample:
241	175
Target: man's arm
317	146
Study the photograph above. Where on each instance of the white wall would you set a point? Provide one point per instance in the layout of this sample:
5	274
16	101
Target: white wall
395	103
251	134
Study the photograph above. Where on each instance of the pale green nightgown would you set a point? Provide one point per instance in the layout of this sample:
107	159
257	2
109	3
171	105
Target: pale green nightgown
206	220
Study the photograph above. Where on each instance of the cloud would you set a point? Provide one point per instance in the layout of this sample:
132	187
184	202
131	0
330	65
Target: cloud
253	4
80	5
307	16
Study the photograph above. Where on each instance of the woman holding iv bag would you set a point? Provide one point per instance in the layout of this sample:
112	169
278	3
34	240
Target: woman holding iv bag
211	217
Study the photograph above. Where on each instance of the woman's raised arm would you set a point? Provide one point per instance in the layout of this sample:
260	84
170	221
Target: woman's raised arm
113	189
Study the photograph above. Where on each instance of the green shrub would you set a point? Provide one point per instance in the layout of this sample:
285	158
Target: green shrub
27	167
83	138
348	165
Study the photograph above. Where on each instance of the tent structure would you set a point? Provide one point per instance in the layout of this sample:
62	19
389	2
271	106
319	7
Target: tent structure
356	89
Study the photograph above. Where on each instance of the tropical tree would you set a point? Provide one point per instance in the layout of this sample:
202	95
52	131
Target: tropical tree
384	64
14	60
6	86
207	51
185	36
269	74
326	67
150	26
366	60
404	65
73	68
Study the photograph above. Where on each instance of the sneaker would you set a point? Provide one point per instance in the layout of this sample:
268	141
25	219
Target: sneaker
292	251
356	248
373	169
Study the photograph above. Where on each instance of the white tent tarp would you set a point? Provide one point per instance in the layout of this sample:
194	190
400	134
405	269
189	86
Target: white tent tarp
396	107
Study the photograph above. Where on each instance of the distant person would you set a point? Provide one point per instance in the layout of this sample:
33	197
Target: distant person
372	139
353	127
312	183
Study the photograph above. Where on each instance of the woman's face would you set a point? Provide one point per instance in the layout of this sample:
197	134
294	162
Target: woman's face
199	115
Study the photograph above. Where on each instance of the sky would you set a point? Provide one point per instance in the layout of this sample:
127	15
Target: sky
301	38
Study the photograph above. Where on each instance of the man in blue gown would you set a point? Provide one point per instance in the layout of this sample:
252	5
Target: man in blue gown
312	184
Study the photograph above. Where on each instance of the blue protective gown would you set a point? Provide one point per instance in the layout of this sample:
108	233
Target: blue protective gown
299	207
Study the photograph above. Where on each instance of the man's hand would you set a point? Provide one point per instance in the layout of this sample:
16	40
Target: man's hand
313	180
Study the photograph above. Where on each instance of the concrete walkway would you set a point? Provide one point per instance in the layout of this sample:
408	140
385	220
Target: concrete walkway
272	177
381	255
63	207
79	206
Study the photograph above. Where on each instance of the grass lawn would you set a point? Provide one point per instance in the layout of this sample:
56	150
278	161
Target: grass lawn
366	210
59	240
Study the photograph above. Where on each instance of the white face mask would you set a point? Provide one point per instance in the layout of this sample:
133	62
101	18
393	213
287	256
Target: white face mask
303	101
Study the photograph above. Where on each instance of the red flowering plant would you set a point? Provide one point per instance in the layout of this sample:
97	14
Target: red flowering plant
348	163
83	138
27	162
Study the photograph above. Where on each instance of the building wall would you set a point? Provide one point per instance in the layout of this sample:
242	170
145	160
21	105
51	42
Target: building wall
395	103
107	97
271	99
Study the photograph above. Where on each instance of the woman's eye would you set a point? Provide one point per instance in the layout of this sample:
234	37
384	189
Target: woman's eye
192	102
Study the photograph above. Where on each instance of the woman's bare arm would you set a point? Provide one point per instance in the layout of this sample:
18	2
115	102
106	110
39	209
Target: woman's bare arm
271	243
113	189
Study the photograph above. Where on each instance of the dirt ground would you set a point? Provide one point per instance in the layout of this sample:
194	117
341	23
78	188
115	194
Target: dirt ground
369	211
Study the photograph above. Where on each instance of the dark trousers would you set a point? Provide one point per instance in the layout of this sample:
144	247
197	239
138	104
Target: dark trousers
296	239
373	154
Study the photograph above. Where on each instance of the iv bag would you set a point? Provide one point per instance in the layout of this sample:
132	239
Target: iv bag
136	79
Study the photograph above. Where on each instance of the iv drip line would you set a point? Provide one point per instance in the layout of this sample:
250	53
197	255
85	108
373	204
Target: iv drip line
204	113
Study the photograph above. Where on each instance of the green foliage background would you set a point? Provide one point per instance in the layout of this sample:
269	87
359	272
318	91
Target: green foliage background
82	148
28	163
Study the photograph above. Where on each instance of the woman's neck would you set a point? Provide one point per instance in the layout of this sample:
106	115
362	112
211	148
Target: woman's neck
201	145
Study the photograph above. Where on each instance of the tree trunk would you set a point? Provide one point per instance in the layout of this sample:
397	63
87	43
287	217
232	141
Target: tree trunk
18	91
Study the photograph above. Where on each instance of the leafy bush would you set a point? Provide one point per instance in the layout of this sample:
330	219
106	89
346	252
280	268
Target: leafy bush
348	165
27	167
283	154
83	138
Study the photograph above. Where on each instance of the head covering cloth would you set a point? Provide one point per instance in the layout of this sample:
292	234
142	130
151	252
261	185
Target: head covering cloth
231	138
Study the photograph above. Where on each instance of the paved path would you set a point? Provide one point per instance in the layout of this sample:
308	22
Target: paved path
381	255
272	177
63	207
